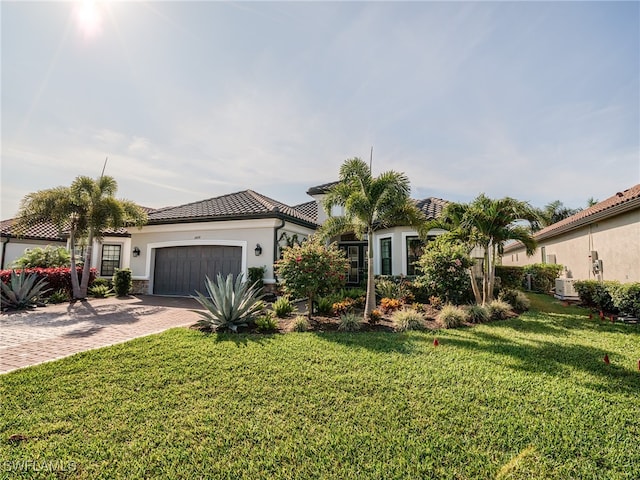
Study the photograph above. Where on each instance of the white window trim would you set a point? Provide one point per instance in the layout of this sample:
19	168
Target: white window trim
100	253
377	252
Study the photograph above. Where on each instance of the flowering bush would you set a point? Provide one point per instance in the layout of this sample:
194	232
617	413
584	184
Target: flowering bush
58	278
312	269
390	304
445	273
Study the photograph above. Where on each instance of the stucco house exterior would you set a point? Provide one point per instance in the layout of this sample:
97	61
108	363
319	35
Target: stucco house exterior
601	242
14	246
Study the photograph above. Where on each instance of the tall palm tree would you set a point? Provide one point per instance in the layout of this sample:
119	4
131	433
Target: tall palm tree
86	209
488	224
370	203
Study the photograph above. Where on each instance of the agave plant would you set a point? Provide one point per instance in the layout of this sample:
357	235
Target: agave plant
229	305
22	291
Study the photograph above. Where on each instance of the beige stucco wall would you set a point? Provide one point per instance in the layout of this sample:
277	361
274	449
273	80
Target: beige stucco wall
617	241
243	233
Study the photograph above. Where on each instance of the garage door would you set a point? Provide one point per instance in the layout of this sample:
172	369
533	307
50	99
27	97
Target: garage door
182	270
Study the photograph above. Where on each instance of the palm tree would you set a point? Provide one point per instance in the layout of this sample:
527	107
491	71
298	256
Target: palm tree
86	209
552	213
488	224
370	204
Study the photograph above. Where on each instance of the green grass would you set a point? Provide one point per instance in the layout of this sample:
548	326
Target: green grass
519	399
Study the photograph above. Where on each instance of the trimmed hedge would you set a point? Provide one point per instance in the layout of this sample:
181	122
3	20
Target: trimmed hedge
510	277
57	278
543	276
610	296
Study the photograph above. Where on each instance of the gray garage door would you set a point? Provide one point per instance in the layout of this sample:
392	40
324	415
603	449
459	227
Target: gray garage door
181	270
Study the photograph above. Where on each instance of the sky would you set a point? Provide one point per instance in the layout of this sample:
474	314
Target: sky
192	100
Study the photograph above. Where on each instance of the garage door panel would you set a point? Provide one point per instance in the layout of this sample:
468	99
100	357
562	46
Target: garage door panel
182	270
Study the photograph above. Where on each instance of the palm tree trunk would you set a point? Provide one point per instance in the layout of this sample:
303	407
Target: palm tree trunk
474	287
84	286
492	271
485	275
75	284
371	284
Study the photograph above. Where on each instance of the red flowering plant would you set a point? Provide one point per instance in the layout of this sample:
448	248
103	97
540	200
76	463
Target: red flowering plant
312	269
58	278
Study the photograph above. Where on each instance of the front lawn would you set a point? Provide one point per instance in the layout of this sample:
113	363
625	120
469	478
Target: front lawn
524	398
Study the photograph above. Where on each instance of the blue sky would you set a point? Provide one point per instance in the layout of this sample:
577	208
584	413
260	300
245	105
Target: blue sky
191	100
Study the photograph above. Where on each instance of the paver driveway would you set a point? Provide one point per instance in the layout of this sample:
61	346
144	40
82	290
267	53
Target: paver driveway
44	334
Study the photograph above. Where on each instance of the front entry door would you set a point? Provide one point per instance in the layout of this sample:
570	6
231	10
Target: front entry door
357	256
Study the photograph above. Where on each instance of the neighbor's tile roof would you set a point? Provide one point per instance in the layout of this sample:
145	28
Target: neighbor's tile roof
237	205
614	205
432	207
319	189
608	207
40	231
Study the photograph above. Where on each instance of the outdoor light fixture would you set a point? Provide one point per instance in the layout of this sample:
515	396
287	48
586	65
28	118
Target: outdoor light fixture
136	252
258	250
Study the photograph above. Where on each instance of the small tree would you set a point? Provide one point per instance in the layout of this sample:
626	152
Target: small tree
444	269
312	269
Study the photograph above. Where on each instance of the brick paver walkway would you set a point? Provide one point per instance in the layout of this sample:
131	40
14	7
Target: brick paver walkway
49	333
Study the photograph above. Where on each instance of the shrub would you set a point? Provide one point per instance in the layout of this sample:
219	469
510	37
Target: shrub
626	298
59	296
498	310
452	316
349	322
256	276
23	290
122	282
301	324
510	277
229	305
312	269
102	281
435	302
408	319
324	306
266	322
48	257
343	307
543	276
385	288
596	294
389	305
282	307
57	278
445	272
375	317
477	314
517	299
101	291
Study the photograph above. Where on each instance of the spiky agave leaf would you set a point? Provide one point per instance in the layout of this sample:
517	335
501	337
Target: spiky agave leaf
22	291
229	305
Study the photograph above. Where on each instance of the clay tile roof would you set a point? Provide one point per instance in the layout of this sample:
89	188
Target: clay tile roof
319	189
610	206
309	209
40	231
432	207
244	204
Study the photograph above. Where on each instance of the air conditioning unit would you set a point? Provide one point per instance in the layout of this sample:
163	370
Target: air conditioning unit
565	289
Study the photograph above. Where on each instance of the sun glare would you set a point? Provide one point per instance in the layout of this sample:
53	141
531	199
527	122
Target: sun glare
88	16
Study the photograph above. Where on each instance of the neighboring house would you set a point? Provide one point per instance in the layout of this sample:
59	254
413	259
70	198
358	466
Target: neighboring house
395	250
38	236
108	252
601	242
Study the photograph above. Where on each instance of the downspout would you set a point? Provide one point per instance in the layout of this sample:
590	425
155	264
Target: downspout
5	240
275	240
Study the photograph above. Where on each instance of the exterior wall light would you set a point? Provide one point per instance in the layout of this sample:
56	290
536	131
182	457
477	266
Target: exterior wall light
258	250
136	252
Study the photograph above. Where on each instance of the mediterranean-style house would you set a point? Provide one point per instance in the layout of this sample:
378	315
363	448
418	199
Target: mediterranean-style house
227	234
601	242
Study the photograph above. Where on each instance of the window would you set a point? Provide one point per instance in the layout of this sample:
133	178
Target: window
543	252
415	249
385	256
110	260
